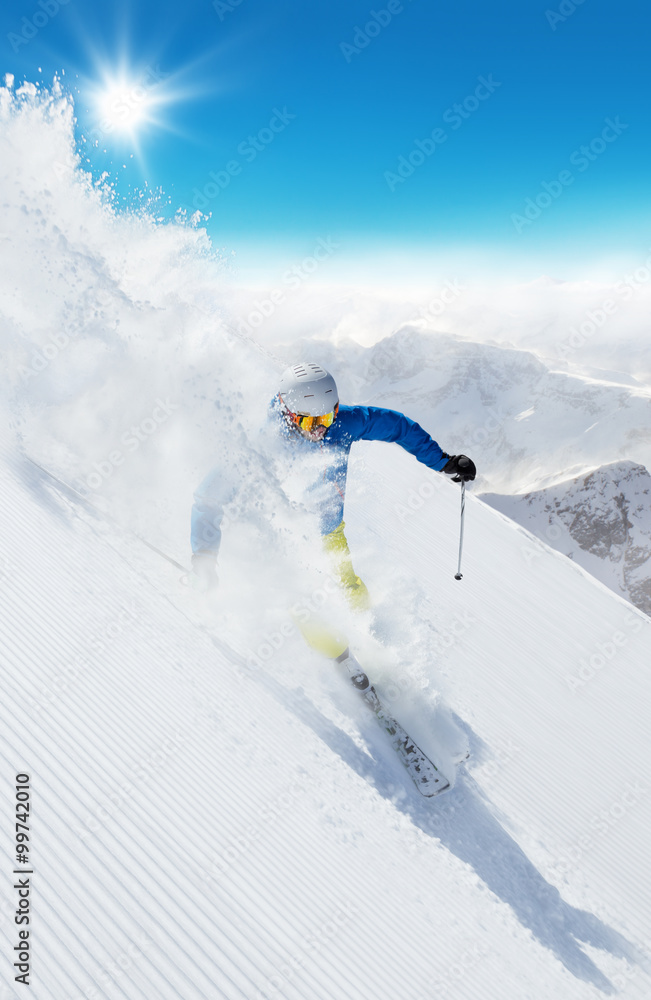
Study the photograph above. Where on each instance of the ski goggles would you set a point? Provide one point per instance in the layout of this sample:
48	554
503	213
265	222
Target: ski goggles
309	423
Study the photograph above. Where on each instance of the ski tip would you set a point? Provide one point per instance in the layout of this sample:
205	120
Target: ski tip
430	792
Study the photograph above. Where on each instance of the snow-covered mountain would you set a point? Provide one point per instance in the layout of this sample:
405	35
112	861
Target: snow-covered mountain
534	433
135	314
528	424
215	813
601	520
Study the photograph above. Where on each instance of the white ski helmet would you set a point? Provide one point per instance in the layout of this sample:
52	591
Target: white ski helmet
308	389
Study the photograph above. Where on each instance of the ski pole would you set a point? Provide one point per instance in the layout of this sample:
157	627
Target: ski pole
458	575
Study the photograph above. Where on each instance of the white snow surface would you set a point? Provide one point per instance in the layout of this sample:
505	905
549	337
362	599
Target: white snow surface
206	828
538	436
215	812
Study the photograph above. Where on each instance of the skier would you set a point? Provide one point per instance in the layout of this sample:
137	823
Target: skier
311	424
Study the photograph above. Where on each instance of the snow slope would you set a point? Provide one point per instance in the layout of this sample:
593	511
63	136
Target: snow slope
125	346
215	814
602	520
532	430
530	425
206	829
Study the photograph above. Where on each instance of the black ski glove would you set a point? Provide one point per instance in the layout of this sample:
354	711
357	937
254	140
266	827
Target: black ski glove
461	468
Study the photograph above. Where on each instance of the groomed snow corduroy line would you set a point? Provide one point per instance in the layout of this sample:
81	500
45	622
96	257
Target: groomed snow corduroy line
119	669
335	893
53	718
537	618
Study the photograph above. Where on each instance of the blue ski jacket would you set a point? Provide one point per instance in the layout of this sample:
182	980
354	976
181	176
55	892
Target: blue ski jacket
327	464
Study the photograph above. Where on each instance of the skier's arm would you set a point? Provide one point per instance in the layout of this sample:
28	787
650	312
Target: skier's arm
205	533
375	423
210	498
205	530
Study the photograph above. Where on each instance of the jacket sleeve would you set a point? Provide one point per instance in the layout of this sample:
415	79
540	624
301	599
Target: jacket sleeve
210	499
375	423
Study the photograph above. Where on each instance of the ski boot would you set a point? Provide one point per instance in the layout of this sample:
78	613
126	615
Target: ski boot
359	679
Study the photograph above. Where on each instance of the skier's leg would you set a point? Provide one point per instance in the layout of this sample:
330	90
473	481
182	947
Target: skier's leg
320	637
360	679
316	632
354	668
336	544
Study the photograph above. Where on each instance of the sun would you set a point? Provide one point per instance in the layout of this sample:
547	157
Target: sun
124	106
128	101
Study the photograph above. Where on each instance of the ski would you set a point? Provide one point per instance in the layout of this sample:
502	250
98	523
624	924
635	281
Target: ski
426	776
423	772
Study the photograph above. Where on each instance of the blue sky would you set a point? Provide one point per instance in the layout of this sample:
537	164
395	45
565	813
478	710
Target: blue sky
288	124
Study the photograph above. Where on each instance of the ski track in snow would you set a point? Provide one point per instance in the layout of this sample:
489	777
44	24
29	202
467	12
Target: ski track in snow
202	829
216	834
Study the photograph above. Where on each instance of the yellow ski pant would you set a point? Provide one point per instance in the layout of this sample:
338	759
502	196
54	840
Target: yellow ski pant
316	631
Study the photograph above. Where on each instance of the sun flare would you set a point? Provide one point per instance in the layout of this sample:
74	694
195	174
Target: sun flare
125	105
127	101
